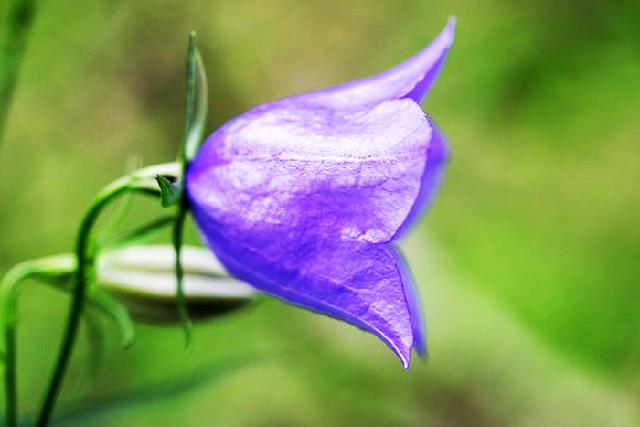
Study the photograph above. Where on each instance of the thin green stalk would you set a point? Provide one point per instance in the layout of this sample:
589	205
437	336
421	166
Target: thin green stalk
37	269
178	228
9	286
13	41
85	269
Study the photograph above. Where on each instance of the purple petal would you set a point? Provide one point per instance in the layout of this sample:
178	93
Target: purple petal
357	174
413	302
411	79
353	281
437	156
303	197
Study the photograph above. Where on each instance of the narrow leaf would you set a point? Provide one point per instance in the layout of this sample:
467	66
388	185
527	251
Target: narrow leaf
15	26
107	304
139	233
196	101
169	193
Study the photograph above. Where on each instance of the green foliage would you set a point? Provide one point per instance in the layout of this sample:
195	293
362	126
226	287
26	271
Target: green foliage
16	23
196	101
170	194
138	234
107	304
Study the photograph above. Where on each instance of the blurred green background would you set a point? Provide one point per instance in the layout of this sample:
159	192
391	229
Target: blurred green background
528	263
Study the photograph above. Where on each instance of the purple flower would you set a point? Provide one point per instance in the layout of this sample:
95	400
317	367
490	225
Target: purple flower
305	197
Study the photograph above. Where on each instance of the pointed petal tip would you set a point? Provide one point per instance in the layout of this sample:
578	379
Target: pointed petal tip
447	35
400	348
410	79
427	63
448	32
405	359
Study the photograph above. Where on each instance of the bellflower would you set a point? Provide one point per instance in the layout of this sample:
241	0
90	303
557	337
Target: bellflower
304	198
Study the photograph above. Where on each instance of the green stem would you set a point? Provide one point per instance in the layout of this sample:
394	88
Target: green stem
58	270
39	269
85	268
9	286
178	228
13	41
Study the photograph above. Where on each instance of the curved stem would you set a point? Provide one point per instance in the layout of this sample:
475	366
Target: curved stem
13	40
85	268
9	286
38	269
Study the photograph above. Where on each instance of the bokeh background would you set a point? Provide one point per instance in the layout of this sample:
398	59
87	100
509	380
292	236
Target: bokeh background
528	263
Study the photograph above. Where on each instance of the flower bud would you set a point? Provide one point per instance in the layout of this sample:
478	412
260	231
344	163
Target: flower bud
143	279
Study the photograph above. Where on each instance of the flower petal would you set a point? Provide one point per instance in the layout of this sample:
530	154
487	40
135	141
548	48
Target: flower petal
413	303
303	202
411	79
353	175
437	156
356	282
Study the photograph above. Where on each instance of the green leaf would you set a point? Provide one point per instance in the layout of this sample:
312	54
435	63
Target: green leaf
99	298
196	101
170	193
15	25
